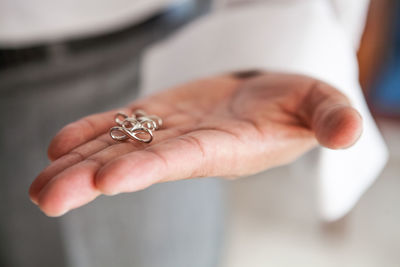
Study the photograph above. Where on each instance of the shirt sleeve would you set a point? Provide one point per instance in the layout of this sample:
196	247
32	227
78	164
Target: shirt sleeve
304	37
351	16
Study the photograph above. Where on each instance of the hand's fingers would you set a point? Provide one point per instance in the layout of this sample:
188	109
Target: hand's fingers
79	132
51	171
191	155
75	156
80	154
75	186
70	189
69	181
93	146
335	122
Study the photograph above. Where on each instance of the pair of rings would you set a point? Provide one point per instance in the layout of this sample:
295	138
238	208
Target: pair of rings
139	126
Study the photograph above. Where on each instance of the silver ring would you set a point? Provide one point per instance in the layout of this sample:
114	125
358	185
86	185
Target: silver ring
139	126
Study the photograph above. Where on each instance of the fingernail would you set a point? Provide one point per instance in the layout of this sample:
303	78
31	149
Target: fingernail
57	214
33	201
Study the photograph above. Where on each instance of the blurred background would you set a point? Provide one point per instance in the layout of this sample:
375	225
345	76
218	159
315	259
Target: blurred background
267	222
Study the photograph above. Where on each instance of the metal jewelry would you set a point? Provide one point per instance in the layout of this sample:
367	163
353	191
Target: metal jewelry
139	126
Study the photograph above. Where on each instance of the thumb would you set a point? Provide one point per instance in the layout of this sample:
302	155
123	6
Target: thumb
335	122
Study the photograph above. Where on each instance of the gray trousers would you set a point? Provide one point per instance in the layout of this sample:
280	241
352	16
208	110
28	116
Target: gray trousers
171	224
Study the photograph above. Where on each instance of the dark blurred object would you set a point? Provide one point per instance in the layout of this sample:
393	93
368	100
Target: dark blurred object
379	58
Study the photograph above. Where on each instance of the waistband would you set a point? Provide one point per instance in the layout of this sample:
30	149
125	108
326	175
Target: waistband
140	35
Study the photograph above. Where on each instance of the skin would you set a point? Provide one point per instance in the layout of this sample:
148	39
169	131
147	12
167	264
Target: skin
220	126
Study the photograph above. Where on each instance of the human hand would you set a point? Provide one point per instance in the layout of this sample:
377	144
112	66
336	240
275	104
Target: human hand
220	126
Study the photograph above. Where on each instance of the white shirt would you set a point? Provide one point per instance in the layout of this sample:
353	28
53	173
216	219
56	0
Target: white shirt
318	38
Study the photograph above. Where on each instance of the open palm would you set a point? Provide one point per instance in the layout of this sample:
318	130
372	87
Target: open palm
220	126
